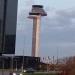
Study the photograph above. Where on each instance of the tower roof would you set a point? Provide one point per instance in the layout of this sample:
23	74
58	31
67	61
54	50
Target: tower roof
38	10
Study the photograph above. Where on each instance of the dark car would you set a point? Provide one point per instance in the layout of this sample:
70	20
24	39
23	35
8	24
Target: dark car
30	70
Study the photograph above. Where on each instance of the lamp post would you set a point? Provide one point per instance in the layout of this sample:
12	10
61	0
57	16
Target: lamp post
11	64
23	62
2	65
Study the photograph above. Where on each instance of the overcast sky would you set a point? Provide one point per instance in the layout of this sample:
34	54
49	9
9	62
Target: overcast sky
57	29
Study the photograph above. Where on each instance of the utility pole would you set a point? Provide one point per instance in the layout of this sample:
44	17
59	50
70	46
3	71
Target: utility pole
57	55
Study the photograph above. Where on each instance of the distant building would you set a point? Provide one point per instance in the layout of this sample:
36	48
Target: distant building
8	19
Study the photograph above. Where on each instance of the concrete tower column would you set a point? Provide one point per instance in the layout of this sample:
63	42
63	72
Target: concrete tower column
36	36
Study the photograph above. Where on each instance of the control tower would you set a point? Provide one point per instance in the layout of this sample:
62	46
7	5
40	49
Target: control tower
36	13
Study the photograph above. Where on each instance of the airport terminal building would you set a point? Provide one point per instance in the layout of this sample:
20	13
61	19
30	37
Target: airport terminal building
8	20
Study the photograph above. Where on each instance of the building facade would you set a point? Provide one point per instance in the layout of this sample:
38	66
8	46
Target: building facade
19	62
8	22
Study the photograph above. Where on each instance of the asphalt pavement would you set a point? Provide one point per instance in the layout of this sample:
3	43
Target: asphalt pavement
4	72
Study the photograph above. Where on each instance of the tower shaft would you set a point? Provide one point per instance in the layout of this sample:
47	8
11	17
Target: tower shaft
36	13
36	36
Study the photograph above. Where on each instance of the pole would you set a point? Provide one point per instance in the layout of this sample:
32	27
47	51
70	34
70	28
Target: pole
57	55
23	62
12	63
2	65
16	65
53	59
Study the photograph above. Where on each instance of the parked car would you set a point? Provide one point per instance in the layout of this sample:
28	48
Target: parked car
30	70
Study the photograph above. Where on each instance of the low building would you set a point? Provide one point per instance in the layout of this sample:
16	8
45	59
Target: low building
17	62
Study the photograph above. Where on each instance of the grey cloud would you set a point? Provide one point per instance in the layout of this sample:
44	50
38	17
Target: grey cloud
69	13
61	19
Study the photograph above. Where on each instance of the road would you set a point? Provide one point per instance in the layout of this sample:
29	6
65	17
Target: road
4	72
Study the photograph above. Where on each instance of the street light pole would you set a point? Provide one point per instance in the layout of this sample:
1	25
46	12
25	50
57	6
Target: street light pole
11	63
2	65
16	65
23	62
